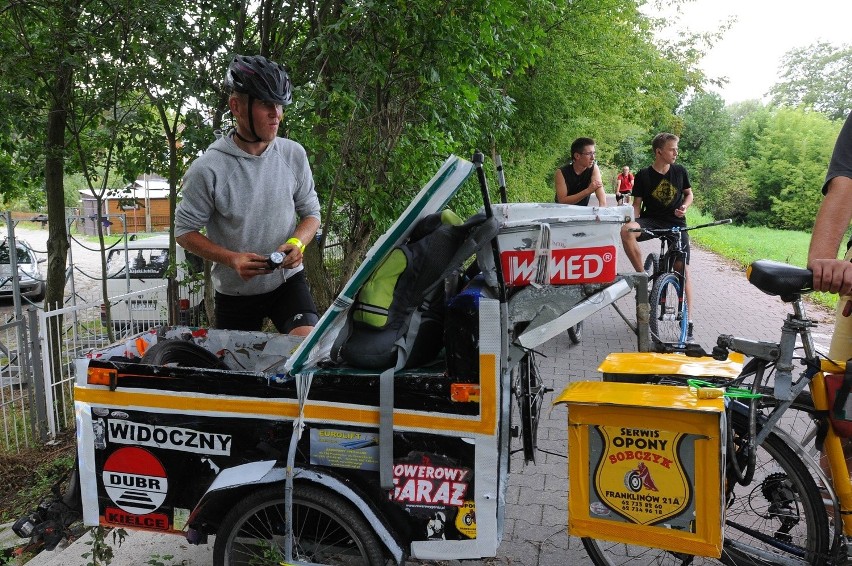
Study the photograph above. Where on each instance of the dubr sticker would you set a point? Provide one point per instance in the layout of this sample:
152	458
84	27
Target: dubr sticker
135	480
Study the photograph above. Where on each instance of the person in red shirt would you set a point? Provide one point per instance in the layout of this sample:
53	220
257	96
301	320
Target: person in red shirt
624	186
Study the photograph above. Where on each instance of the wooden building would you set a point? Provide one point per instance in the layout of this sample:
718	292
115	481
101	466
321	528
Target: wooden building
143	206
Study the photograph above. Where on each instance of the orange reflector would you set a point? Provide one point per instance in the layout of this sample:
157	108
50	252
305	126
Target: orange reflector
464	392
102	376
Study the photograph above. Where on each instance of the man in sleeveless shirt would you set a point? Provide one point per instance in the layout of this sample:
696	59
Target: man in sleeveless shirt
576	181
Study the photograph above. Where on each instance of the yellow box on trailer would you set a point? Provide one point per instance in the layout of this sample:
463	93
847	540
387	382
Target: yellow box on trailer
646	466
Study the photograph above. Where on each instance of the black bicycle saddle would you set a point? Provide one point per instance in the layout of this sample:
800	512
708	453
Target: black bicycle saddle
776	278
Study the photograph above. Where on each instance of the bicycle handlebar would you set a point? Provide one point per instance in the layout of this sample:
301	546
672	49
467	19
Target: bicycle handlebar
659	232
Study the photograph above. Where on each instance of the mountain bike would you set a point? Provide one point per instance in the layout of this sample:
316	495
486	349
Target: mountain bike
669	312
779	505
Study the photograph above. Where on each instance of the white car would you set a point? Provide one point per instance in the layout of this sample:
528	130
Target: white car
137	279
31	281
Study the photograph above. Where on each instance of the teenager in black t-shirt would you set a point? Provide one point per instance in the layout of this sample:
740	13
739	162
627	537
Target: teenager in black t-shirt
661	195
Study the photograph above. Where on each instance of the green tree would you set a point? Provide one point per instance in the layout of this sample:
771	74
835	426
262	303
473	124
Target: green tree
727	192
816	77
705	143
602	74
384	91
788	168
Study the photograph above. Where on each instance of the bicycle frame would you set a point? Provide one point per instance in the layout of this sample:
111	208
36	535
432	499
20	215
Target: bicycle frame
672	253
797	325
671	261
833	447
756	416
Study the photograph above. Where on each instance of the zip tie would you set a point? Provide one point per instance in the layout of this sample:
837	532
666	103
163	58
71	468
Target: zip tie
706	390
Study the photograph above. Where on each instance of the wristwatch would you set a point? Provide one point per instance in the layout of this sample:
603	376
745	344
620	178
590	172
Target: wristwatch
275	260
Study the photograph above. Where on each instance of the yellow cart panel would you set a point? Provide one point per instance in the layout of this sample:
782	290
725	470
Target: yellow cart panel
645	466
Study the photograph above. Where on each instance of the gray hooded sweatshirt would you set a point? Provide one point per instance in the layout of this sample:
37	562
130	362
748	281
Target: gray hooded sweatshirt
248	203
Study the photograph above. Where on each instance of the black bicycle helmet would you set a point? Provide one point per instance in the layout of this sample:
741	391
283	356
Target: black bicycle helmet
259	78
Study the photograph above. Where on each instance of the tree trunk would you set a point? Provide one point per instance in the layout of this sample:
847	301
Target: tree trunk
57	239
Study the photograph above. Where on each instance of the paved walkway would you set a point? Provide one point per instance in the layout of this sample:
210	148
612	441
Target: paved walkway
536	512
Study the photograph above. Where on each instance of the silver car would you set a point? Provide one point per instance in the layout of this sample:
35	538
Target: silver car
29	272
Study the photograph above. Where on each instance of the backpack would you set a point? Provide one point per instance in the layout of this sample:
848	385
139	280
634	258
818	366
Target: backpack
402	304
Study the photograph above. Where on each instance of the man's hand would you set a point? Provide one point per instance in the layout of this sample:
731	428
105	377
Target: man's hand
832	275
248	265
293	258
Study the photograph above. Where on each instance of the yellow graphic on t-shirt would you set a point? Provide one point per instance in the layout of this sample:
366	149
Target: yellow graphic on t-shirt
665	193
640	475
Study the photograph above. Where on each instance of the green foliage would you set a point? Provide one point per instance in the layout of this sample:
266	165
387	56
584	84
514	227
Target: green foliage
630	152
788	167
815	77
157	560
706	137
102	553
593	80
383	91
44	476
727	192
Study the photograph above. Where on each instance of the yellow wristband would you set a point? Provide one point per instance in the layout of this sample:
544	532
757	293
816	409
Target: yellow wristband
298	243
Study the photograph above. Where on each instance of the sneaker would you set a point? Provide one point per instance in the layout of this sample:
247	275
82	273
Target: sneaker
48	521
689	337
26	526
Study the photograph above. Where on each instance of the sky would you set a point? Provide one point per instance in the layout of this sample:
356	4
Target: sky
751	51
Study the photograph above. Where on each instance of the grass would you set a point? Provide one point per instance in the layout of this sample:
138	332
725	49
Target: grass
745	244
29	475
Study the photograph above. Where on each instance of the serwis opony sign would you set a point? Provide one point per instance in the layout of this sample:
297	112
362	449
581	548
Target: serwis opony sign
567	266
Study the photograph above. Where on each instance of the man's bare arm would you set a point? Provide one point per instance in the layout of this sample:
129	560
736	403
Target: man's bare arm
246	264
832	274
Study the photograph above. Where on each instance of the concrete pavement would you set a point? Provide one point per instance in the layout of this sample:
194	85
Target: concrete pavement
536	511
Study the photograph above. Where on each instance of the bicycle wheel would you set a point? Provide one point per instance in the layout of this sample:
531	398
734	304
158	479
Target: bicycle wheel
326	530
652	265
669	316
529	392
779	518
575	333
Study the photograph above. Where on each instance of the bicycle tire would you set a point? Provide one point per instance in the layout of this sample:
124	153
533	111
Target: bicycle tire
652	265
782	490
326	530
529	393
575	333
181	353
668	321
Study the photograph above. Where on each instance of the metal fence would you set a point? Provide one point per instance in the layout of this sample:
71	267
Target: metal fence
18	399
38	348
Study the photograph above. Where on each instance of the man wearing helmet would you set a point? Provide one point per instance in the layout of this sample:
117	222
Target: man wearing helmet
254	193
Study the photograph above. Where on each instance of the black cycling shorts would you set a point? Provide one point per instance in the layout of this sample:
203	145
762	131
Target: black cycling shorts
289	306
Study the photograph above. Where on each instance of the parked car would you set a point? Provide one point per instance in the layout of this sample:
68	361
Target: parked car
31	281
141	269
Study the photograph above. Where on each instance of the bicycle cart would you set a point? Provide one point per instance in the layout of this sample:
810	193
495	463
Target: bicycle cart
287	455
